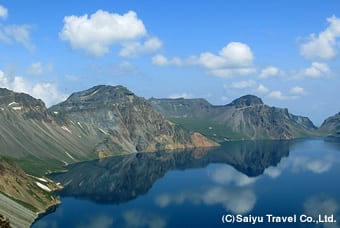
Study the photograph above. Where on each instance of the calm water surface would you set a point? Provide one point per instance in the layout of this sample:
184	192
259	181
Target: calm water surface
195	188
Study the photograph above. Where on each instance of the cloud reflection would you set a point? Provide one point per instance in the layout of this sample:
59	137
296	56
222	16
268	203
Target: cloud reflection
236	200
102	221
318	205
308	164
228	175
136	218
302	163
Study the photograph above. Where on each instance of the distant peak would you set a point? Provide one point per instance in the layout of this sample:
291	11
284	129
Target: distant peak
110	88
247	100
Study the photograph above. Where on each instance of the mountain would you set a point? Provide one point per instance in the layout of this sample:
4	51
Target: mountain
244	118
331	127
122	178
128	122
31	135
101	121
23	197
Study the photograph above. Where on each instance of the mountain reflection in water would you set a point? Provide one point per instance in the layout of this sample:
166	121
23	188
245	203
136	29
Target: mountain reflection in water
122	178
194	188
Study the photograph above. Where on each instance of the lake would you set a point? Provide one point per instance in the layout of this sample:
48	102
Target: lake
268	183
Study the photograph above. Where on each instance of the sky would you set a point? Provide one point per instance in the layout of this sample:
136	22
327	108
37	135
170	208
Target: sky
284	51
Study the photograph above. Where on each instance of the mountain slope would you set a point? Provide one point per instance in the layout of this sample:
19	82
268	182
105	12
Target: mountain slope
23	197
331	125
30	134
128	121
331	128
98	122
245	118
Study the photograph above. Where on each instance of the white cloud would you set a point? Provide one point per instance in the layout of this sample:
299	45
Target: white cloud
277	94
233	60
161	60
231	72
46	91
38	68
269	71
297	90
95	34
317	70
262	89
3	80
243	84
180	95
133	49
323	45
3	12
16	33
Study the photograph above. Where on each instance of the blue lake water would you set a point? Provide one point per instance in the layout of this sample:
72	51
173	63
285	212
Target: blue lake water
205	187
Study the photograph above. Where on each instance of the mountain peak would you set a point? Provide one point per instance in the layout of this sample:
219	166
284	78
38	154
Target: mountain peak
101	94
247	100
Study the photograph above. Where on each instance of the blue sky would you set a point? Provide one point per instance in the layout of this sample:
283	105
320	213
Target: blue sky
286	52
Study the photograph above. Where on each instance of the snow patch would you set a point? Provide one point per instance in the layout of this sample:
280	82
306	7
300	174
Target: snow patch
104	132
66	129
66	163
17	108
69	155
56	113
42	180
43	187
79	124
13	103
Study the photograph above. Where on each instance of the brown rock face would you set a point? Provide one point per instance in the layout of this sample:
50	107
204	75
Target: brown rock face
4	222
199	140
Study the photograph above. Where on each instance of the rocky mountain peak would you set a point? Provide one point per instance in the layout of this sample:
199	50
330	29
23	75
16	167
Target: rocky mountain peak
104	93
24	104
97	97
247	100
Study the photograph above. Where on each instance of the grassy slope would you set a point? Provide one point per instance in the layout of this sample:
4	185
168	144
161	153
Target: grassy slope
210	129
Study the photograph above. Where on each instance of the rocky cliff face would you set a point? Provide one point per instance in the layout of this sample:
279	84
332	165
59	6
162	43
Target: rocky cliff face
245	118
331	128
331	125
128	121
27	106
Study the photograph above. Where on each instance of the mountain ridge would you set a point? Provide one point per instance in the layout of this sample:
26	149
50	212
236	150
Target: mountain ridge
246	117
101	121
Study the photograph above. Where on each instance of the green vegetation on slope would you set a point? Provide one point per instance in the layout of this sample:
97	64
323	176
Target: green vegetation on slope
210	129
